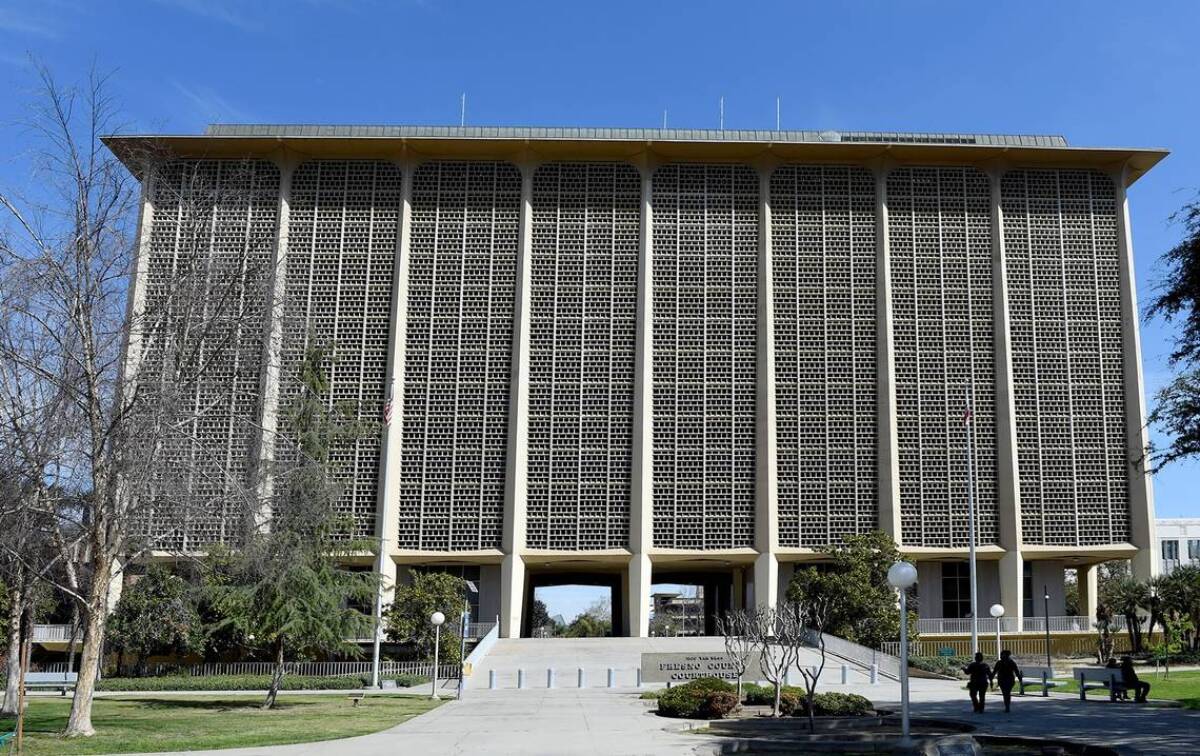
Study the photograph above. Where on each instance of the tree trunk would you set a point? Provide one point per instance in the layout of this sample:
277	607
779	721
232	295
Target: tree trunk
13	661
778	694
276	678
26	650
95	616
739	689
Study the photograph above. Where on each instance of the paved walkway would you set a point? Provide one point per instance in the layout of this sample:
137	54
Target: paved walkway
597	721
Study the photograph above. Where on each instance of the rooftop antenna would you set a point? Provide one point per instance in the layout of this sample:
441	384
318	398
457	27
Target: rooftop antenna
778	120
722	113
462	110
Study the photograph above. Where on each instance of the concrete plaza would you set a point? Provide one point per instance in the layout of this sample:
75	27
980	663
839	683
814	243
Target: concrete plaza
594	721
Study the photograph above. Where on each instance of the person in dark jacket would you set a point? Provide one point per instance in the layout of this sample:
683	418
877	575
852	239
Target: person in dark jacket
1006	673
1129	678
979	677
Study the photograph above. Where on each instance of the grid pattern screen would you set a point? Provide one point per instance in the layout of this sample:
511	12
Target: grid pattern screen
1063	266
939	226
458	355
211	243
823	265
586	224
343	224
705	302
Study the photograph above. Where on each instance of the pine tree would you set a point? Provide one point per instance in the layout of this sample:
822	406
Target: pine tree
287	589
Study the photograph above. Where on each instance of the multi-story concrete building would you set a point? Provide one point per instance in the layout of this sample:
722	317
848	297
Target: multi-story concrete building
632	356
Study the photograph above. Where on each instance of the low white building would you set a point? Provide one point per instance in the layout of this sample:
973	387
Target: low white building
1178	542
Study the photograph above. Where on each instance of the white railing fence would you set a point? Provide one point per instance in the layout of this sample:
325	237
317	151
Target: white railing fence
54	634
962	626
1026	647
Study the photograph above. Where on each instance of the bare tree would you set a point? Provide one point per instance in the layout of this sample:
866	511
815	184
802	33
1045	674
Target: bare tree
737	629
124	425
774	633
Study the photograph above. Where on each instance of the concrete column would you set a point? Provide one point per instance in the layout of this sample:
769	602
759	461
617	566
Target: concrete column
1141	490
641	510
116	584
889	443
1012	585
1089	599
387	521
766	514
135	305
738	596
766	581
637	601
512	569
1008	490
273	345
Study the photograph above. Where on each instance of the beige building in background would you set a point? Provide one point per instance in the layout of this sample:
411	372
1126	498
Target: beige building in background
627	357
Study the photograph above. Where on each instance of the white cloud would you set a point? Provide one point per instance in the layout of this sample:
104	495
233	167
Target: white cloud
21	22
218	11
213	107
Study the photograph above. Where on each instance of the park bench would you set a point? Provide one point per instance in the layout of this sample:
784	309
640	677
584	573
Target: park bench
1099	678
1043	676
60	681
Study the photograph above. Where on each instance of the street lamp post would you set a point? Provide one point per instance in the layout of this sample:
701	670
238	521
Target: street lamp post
1046	600
902	575
437	618
997	611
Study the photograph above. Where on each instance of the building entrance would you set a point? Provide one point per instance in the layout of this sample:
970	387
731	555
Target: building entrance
688	602
612	581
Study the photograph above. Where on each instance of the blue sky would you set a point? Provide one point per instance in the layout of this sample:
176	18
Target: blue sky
1099	72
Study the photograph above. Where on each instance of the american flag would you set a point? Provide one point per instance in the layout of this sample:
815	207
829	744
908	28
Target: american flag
967	415
387	408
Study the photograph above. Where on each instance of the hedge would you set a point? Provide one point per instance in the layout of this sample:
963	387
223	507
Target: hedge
836	705
951	666
705	698
244	682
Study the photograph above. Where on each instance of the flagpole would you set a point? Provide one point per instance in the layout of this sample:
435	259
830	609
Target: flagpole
968	418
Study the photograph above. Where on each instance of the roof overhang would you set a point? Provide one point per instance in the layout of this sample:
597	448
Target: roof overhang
656	148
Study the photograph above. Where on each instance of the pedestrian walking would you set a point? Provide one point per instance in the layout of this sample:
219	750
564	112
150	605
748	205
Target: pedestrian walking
979	677
1006	673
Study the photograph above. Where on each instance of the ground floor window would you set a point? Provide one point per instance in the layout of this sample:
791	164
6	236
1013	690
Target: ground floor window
956	589
1027	588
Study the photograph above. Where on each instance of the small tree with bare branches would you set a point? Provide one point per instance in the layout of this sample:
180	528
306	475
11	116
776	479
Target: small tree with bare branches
774	632
736	628
813	596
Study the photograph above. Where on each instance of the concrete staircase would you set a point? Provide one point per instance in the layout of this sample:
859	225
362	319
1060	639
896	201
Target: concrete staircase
595	656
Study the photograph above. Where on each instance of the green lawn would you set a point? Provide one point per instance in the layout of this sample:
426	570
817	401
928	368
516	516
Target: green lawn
1179	686
176	723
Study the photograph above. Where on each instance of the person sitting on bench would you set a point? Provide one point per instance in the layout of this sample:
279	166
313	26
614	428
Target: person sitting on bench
1121	693
1129	678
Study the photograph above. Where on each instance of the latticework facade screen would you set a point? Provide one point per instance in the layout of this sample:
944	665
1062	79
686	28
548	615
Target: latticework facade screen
823	269
344	219
458	355
939	229
1063	266
211	243
586	223
705	300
